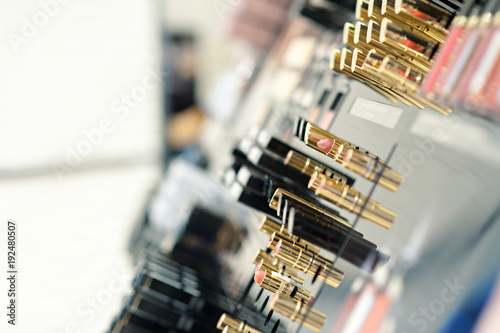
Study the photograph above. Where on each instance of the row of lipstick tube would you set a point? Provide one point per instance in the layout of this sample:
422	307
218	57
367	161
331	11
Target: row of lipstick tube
301	229
392	46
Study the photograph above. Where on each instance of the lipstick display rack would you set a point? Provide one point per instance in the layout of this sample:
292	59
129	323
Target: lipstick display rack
329	198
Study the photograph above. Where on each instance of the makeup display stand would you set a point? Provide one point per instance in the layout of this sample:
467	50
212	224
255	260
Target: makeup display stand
443	240
448	197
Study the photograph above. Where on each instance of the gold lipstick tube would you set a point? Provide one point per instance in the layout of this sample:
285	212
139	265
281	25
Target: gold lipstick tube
356	59
275	283
437	31
377	80
268	266
308	166
226	320
297	201
360	36
357	56
402	19
373	39
270	226
314	134
310	263
364	40
401	79
351	200
228	329
402	74
426	10
402	41
341	153
265	261
335	61
361	10
394	73
370	169
407	89
235	324
349	38
338	65
377	11
298	311
387	93
348	58
348	34
301	244
335	66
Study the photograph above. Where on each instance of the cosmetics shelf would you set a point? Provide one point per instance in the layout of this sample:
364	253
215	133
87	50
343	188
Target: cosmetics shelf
411	242
450	178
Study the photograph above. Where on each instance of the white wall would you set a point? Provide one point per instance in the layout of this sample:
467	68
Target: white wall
64	78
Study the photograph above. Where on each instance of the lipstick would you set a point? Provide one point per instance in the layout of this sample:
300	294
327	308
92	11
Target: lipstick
332	237
369	35
372	169
229	329
358	59
296	242
378	37
358	160
361	10
400	77
393	73
272	165
270	226
286	152
351	200
395	37
308	166
353	61
265	261
310	263
275	282
235	324
167	313
337	66
378	10
431	28
304	208
298	311
321	140
349	38
424	10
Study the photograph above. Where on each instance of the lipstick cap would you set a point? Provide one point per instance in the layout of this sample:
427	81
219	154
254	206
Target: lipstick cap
298	311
